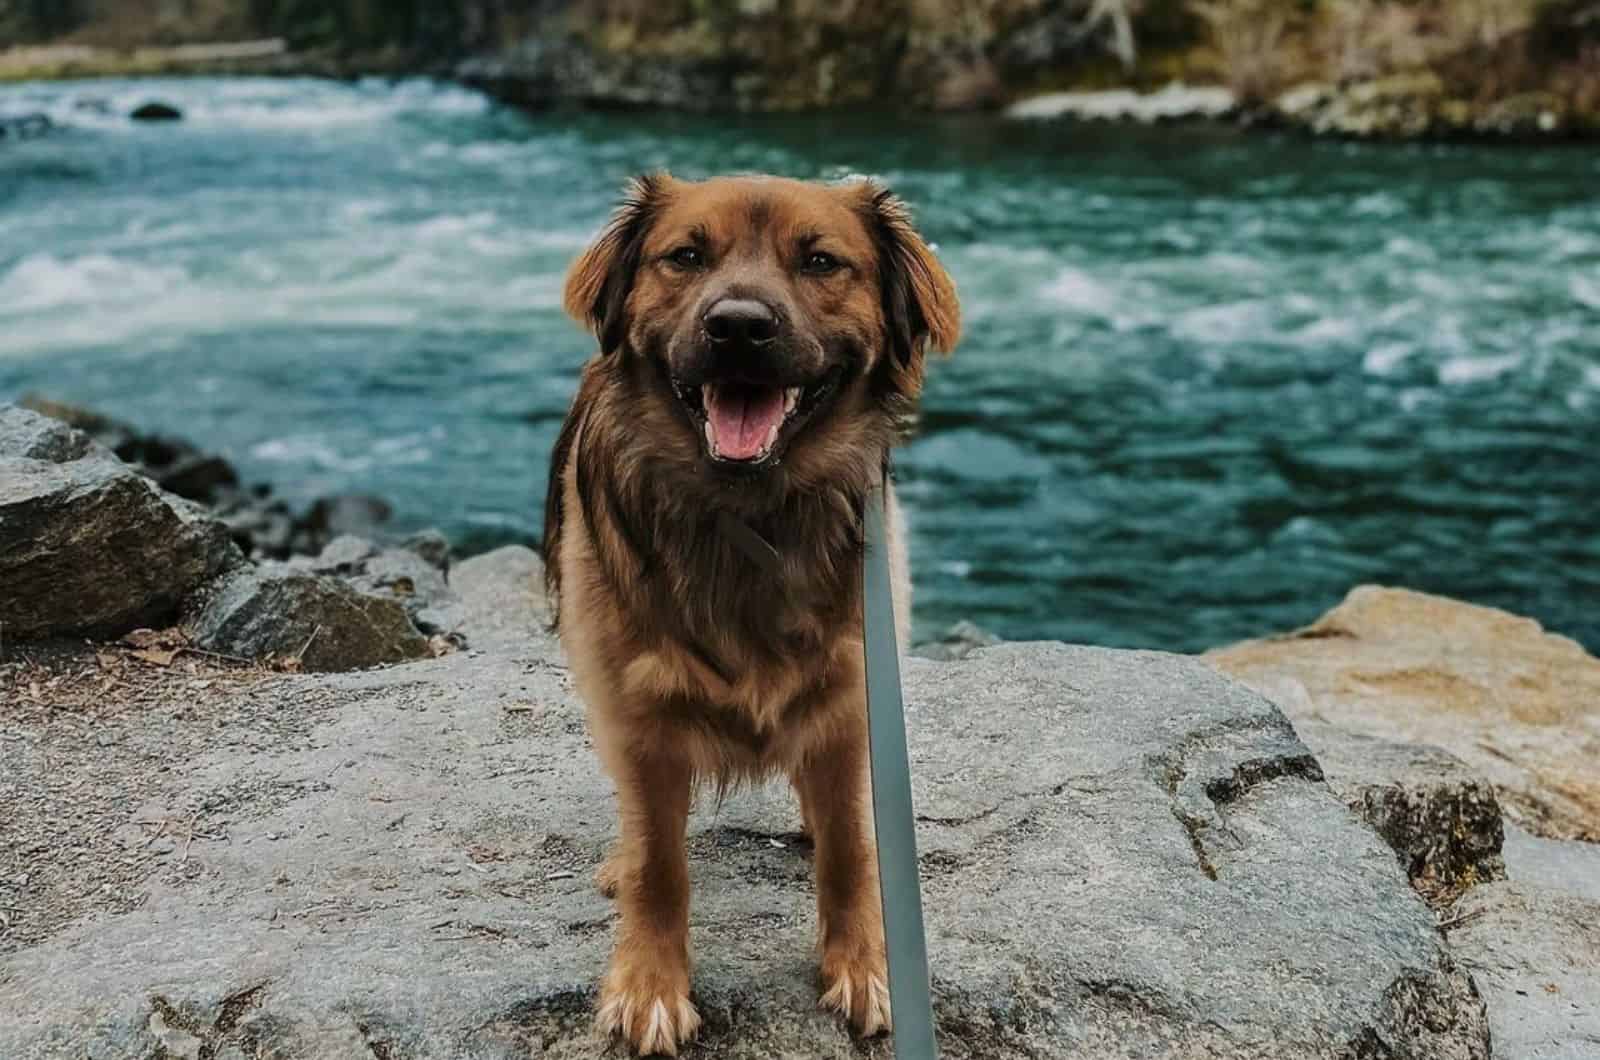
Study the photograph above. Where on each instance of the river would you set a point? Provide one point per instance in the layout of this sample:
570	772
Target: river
1209	382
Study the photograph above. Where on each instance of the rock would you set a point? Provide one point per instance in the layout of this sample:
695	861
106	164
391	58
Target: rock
318	620
27	435
431	545
392	574
345	554
1535	955
1441	820
201	476
1526	115
1553	864
1416	104
155	110
1124	854
1302	102
261	526
176	465
957	642
503	594
419	586
88	546
1521	707
355	513
1399	106
755	56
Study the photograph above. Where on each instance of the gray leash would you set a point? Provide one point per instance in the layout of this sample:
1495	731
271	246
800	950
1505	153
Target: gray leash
910	999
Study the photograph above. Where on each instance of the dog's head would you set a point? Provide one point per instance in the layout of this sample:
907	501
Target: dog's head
772	312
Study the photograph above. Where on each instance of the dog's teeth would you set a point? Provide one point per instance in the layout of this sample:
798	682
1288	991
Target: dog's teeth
791	398
711	437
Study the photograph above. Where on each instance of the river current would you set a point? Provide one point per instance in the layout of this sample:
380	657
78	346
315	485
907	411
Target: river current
1210	380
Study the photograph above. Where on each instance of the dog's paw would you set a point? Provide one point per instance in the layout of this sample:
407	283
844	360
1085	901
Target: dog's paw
857	987
607	876
649	1009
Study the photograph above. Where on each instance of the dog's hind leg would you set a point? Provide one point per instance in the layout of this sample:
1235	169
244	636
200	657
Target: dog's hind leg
645	995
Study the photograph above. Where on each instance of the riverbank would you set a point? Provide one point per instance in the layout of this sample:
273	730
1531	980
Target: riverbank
1526	70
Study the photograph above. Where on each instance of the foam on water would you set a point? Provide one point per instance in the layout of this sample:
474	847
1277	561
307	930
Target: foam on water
43	281
1077	291
1384	359
1585	289
1457	371
288	104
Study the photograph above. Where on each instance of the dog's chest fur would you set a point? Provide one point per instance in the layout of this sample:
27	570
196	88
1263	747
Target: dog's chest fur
735	617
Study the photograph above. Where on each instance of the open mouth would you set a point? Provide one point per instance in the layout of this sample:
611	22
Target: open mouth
745	423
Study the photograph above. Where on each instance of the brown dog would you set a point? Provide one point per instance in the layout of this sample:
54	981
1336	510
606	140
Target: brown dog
761	348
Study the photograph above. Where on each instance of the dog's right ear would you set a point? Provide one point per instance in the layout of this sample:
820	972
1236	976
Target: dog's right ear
598	283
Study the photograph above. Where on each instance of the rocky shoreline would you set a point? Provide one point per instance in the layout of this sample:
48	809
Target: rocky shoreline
106	532
1377	836
1449	70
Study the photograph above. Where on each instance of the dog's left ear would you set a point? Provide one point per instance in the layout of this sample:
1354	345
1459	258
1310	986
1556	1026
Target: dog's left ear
920	307
598	283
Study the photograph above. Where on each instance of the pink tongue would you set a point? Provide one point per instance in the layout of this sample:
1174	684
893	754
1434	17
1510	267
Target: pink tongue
745	419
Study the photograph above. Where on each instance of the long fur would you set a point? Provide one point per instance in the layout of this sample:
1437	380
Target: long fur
703	659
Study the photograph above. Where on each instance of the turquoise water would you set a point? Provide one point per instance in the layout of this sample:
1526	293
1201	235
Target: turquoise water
1209	381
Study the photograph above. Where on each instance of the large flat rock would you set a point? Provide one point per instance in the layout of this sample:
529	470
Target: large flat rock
1534	951
1520	706
1124	855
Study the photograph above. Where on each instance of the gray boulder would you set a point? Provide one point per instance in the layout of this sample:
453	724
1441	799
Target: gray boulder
1441	819
316	620
1555	864
1124	855
155	110
87	545
27	435
503	594
412	577
174	464
1535	955
956	642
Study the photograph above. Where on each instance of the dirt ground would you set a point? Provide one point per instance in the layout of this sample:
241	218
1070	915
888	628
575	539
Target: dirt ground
93	745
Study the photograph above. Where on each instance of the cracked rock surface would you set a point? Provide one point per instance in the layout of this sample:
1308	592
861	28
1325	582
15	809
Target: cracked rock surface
1124	855
1442	820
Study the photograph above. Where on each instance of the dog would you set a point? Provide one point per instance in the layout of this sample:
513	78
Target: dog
761	348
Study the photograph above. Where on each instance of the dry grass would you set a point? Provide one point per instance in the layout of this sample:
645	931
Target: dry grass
1362	39
1250	38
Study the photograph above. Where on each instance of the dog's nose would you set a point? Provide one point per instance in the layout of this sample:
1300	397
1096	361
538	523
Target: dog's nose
744	321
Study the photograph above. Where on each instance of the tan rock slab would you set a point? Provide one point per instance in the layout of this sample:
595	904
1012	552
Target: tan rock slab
1521	706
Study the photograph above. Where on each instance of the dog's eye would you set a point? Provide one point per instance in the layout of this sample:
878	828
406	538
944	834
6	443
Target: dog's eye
820	264
687	258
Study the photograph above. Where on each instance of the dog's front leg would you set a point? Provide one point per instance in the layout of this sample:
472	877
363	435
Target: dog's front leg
836	800
645	995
